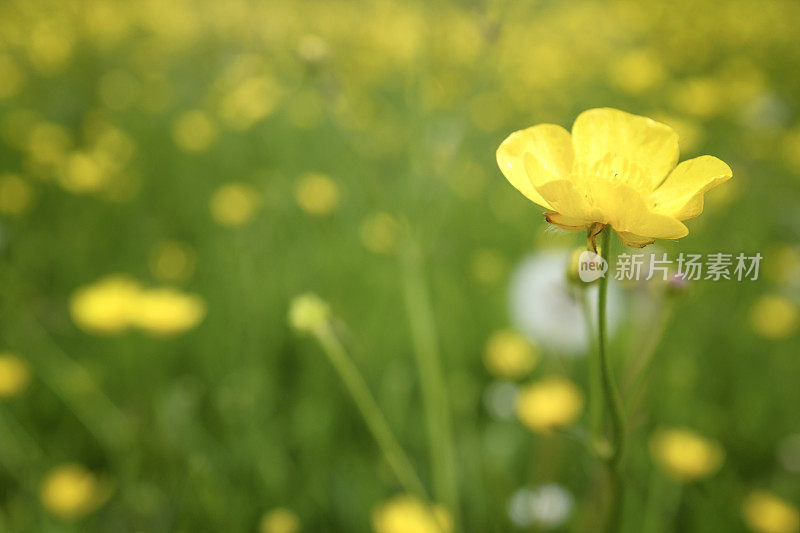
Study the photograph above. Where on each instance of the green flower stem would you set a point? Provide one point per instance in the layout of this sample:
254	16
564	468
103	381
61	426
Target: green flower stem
611	397
354	382
595	394
434	390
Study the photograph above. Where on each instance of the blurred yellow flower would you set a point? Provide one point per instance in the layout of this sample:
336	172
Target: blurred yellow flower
172	261
637	71
16	195
701	97
774	317
71	491
279	521
12	75
84	173
685	455
167	311
116	303
308	312
766	513
235	204
50	44
15	375
379	233
106	305
549	403
406	514
47	144
194	131
317	194
614	169
252	100
509	355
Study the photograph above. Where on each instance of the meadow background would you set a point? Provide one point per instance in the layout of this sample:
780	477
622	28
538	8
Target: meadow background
173	173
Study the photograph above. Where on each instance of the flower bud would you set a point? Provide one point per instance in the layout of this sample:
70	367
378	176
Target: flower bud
308	312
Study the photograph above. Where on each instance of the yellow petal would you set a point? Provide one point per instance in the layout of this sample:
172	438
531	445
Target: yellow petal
567	223
535	155
681	194
649	145
633	240
571	205
627	212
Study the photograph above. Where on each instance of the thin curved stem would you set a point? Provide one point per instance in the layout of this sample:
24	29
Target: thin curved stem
373	416
611	397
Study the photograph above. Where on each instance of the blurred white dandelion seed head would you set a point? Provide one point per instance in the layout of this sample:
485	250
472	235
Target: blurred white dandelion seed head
548	506
544	306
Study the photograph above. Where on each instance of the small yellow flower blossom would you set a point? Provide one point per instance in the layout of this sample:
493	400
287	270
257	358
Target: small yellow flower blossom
774	317
308	312
406	514
766	513
234	204
317	194
637	71
71	491
379	233
614	169
117	303
279	520
83	172
509	355
16	195
194	131
249	102
12	75
50	44
167	311
14	375
685	455
549	404
106	305
172	261
47	144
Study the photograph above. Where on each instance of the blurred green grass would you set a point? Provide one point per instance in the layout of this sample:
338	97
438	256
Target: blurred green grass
403	106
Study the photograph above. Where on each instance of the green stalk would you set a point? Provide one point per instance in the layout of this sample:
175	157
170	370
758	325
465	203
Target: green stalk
434	391
611	398
398	461
595	395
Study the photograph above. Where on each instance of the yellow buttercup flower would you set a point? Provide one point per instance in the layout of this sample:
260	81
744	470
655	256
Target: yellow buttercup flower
167	311
105	306
509	355
685	455
317	194
775	317
766	513
16	195
279	520
117	303
71	491
235	204
549	403
194	131
614	169
14	375
406	514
